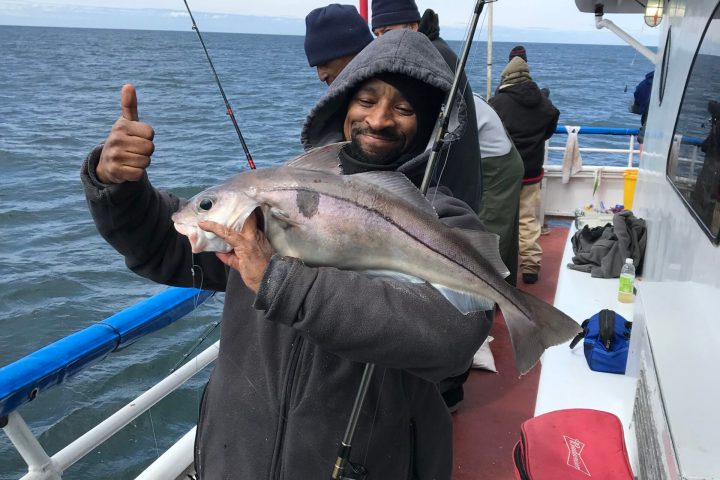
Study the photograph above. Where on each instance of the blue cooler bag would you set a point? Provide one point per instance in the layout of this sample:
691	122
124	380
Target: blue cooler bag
606	341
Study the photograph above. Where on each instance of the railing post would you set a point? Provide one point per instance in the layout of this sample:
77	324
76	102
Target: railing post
693	160
632	151
40	466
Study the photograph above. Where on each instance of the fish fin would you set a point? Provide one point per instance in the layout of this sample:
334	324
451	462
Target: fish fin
534	326
403	277
282	217
397	184
324	159
465	302
488	245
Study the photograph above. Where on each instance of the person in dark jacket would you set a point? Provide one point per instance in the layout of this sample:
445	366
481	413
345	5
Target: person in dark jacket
641	103
295	338
333	36
461	169
530	118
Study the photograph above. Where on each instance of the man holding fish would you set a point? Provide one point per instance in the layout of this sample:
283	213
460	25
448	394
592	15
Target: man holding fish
327	272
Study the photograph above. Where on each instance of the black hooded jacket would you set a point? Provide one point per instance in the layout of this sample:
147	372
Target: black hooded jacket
291	356
530	118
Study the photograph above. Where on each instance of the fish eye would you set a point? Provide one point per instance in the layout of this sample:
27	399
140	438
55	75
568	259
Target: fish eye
205	204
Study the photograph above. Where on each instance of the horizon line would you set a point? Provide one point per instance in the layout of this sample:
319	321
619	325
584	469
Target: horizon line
190	30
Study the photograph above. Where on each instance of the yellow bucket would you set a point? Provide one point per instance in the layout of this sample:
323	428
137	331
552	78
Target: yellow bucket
630	177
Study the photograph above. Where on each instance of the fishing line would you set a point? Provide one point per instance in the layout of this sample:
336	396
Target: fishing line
200	340
152	426
446	154
632	62
207	331
202	277
248	156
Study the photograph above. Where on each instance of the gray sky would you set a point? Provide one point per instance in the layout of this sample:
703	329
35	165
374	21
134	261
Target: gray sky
514	20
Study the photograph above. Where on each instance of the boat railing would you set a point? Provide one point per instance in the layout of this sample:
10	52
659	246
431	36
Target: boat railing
633	153
25	379
691	161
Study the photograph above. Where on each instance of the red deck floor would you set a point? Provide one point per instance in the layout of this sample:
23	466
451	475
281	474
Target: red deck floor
487	423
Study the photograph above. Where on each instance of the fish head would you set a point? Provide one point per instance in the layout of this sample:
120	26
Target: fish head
225	206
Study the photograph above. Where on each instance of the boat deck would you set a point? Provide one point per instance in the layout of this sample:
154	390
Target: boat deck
487	423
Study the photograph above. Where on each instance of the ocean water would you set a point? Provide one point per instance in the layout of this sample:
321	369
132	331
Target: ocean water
59	96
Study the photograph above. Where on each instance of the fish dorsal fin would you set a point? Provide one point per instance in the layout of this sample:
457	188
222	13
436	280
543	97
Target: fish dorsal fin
324	159
399	185
488	246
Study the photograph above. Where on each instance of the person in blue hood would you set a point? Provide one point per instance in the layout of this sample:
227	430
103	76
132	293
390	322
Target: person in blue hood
641	103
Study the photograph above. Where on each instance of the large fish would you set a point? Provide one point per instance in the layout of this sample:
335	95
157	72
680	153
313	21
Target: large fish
378	222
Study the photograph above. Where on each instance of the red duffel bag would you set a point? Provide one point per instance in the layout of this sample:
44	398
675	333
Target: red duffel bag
572	444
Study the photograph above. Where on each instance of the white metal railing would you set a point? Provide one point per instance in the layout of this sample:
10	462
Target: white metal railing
43	467
631	151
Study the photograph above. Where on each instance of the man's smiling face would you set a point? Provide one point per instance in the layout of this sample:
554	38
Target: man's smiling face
380	121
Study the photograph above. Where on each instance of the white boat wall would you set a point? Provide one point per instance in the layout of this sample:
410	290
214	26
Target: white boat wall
676	330
670	386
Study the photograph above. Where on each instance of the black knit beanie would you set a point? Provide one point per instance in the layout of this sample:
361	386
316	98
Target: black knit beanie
518	51
394	12
334	31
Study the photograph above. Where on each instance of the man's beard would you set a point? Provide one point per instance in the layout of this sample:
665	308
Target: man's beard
375	158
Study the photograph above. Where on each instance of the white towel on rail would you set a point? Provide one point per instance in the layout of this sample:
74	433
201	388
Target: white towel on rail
572	161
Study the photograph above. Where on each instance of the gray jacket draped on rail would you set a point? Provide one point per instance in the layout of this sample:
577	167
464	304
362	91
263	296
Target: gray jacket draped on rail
601	251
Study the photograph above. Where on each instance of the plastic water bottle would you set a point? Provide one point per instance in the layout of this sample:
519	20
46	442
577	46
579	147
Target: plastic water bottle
627	282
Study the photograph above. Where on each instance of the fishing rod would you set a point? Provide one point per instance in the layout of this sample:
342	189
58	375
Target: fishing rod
342	463
248	156
444	118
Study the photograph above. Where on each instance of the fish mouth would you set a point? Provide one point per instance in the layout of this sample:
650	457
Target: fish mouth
204	241
201	240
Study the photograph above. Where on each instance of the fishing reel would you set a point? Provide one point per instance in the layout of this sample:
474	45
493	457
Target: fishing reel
353	471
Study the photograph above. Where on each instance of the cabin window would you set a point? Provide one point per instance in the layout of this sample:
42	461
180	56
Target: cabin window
694	163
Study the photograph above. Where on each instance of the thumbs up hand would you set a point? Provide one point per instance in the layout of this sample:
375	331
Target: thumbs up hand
127	150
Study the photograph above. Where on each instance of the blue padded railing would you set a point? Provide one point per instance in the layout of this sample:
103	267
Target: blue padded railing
686	139
23	380
600	131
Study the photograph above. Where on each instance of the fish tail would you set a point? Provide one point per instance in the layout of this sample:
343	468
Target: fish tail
534	326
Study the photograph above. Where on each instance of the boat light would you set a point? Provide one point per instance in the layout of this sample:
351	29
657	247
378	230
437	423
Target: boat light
653	12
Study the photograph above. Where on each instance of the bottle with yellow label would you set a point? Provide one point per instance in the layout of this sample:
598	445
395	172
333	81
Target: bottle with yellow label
627	282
